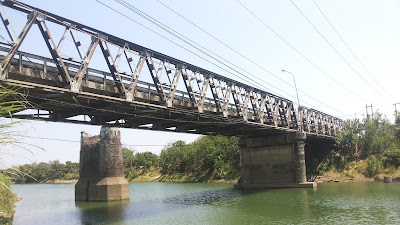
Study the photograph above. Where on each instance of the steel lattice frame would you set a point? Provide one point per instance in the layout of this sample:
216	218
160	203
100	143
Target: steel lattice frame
229	98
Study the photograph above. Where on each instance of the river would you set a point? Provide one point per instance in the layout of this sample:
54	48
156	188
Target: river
172	203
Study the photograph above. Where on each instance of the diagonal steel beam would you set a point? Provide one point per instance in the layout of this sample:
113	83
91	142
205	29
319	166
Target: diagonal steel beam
62	69
14	48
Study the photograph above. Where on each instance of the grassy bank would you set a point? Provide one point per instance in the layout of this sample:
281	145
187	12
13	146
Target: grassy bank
7	200
358	172
155	175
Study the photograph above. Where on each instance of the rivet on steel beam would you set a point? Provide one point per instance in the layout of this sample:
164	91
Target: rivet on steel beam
102	36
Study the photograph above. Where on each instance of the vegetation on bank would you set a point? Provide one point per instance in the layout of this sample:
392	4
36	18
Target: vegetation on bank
44	172
368	149
363	151
7	199
210	158
10	102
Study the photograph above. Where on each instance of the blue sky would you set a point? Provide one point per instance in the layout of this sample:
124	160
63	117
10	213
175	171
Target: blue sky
370	28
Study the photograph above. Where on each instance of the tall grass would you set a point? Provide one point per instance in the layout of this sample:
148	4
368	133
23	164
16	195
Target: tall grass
7	199
10	102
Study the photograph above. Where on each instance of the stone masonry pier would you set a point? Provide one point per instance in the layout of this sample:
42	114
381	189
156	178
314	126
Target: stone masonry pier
274	161
101	175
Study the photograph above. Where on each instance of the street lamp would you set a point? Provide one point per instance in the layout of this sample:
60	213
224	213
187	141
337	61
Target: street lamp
298	101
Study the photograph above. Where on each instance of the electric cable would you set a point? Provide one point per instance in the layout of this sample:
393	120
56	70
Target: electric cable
74	141
340	55
183	38
352	52
301	54
213	57
83	31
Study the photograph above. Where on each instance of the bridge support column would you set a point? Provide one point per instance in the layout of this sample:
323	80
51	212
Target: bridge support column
273	161
101	176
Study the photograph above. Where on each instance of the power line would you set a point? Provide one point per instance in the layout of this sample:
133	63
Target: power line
326	40
301	54
351	49
171	40
353	114
223	43
151	19
74	141
248	59
61	22
183	38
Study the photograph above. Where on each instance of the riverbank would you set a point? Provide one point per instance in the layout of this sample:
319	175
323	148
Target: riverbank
156	176
356	172
7	200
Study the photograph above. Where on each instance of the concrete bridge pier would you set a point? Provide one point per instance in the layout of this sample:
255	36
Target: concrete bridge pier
276	161
101	176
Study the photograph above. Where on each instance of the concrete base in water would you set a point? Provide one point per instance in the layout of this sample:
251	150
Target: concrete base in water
276	161
101	176
107	189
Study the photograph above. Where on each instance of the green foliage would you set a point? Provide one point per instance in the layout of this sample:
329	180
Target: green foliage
347	140
225	170
374	166
43	172
71	176
10	102
7	199
142	160
214	155
137	164
397	129
378	135
392	157
332	162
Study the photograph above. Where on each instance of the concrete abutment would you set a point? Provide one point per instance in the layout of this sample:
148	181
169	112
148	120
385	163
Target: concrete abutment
274	161
101	176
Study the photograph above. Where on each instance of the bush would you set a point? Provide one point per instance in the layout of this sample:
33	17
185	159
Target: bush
332	161
71	176
7	199
392	158
216	156
130	174
374	166
224	170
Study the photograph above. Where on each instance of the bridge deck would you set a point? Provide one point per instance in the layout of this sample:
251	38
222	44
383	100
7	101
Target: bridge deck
171	96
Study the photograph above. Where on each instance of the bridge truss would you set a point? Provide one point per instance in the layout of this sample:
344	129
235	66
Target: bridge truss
141	88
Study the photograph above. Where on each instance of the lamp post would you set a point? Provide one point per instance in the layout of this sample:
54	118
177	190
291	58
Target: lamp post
298	101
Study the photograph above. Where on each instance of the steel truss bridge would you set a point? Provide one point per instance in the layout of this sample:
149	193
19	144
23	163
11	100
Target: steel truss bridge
140	88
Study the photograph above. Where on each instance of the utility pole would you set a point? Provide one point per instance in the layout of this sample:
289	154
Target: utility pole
372	111
395	108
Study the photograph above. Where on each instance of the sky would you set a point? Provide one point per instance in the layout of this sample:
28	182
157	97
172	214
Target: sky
334	76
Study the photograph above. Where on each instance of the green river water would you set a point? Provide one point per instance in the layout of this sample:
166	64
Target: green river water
172	203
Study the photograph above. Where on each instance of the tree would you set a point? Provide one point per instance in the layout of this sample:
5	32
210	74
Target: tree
347	140
397	128
374	166
378	135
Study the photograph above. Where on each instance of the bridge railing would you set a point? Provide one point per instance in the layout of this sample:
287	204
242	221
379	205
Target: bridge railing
168	78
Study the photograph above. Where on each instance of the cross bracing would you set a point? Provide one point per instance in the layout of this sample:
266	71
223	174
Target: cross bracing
139	87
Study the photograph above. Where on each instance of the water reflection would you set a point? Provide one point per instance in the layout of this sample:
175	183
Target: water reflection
96	212
209	197
160	203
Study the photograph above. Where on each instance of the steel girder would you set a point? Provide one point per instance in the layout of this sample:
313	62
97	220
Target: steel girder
208	92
